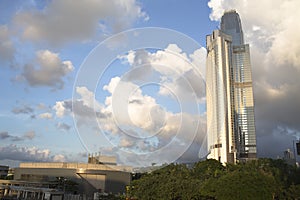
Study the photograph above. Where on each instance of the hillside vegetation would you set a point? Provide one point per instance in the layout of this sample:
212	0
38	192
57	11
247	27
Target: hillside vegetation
258	179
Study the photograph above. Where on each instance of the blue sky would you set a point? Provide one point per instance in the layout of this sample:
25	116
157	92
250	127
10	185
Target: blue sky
43	44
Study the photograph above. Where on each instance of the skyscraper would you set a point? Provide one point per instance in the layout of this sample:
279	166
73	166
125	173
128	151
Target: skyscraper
230	108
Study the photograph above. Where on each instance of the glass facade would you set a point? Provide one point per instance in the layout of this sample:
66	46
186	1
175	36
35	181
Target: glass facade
231	25
243	103
230	109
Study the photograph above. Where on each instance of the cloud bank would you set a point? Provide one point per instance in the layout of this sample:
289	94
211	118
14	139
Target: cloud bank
28	154
133	122
66	21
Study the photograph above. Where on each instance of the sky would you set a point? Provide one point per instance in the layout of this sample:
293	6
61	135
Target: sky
127	78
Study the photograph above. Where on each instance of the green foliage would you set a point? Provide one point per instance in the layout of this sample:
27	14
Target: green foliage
240	185
208	169
257	179
171	182
293	192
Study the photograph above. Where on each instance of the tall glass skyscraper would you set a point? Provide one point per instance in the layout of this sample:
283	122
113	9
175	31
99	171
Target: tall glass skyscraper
230	108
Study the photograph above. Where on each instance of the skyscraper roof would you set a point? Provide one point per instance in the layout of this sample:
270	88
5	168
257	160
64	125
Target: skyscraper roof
231	25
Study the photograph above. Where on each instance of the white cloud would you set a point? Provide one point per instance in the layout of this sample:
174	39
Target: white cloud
59	108
130	120
48	70
45	115
129	107
88	97
181	75
217	9
29	154
69	20
137	123
112	84
14	152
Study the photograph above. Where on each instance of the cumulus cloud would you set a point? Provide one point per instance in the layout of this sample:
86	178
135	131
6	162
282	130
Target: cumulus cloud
7	48
181	75
60	108
47	70
65	21
271	32
87	97
46	115
129	107
86	106
28	154
135	123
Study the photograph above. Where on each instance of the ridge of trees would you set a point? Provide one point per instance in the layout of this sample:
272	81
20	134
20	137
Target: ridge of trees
258	179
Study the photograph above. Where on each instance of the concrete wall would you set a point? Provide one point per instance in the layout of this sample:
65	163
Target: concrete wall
89	181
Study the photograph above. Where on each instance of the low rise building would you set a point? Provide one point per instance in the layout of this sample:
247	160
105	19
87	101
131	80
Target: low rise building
101	174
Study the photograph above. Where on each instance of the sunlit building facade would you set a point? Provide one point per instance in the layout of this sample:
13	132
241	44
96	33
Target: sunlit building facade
64	180
230	108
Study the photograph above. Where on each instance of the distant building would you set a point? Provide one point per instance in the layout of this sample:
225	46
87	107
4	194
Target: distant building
289	158
101	174
3	171
288	154
230	107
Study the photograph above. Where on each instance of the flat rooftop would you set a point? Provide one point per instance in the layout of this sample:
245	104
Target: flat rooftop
77	166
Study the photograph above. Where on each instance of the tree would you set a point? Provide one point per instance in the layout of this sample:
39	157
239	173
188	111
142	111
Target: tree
240	185
208	169
257	179
171	182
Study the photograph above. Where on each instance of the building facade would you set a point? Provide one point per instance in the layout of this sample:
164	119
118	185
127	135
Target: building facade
230	107
288	157
39	180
